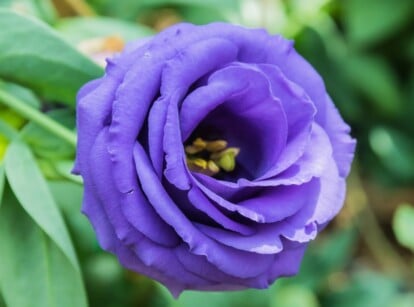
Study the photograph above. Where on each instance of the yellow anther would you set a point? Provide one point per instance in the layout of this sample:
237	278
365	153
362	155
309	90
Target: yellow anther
201	163
220	157
197	146
202	166
192	150
214	146
200	143
212	167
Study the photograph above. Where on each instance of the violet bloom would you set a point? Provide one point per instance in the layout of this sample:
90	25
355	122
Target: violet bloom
211	156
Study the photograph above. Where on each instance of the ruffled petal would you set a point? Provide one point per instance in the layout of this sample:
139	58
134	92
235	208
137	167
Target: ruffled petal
260	137
201	267
264	241
312	164
129	213
293	98
287	263
230	261
177	78
339	134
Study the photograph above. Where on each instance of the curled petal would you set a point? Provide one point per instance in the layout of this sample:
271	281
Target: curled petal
235	263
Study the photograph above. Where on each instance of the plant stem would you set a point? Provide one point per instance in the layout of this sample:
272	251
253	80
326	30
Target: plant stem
372	233
38	117
81	7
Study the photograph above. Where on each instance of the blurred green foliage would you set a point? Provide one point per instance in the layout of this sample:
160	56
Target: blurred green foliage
364	50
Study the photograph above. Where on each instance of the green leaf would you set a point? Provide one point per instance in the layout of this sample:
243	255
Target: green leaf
325	257
218	4
64	168
199	14
403	225
42	9
32	54
403	300
370	21
21	92
325	51
78	29
246	298
375	79
7	131
68	196
1	182
46	145
364	289
294	296
130	9
33	270
30	188
395	150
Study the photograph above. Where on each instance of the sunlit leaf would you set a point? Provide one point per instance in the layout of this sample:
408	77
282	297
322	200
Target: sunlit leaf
294	296
403	225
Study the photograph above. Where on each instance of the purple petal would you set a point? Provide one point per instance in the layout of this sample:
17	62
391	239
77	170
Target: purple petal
200	266
265	241
293	98
260	137
322	209
342	143
92	208
312	164
274	204
201	202
177	78
299	71
230	261
129	213
287	263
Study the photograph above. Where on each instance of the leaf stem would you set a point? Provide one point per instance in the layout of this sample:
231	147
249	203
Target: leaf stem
38	117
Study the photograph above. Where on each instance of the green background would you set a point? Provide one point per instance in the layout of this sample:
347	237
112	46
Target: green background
49	256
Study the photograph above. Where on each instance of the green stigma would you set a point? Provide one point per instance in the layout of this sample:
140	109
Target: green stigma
211	157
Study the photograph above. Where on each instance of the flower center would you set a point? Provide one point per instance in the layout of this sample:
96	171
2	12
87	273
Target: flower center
211	157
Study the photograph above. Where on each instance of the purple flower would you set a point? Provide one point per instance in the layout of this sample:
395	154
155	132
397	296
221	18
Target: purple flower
211	156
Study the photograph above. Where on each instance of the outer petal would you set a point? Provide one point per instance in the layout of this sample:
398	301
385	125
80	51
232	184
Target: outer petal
287	263
342	143
130	213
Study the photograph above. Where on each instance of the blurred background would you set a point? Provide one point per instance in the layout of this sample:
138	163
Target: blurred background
364	50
